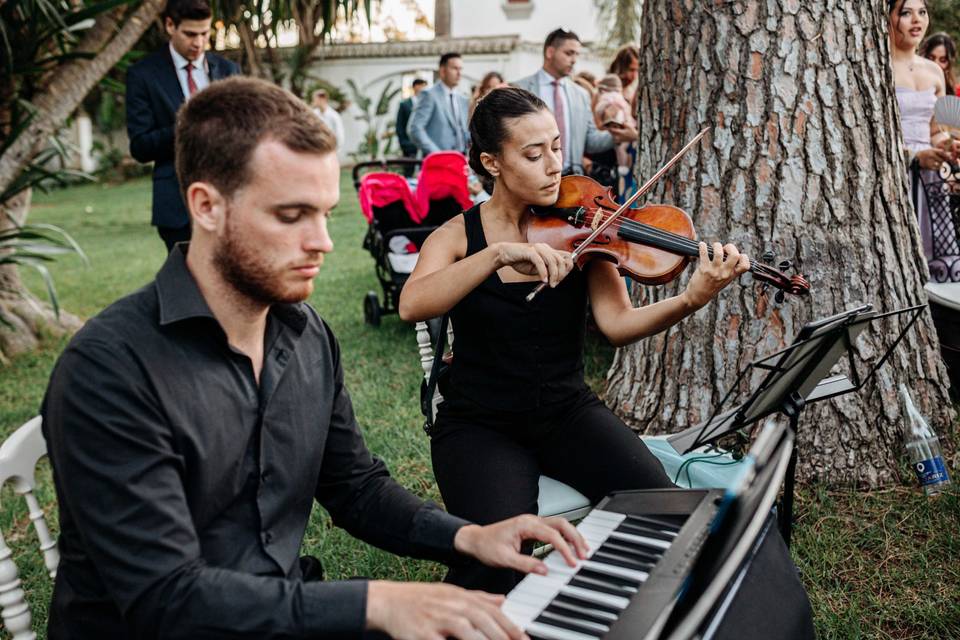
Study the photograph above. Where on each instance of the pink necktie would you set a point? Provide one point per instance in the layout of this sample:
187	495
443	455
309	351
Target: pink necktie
558	114
191	84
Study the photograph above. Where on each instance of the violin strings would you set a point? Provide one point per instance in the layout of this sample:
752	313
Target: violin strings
677	243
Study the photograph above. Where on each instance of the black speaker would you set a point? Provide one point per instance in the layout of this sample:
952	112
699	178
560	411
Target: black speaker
766	600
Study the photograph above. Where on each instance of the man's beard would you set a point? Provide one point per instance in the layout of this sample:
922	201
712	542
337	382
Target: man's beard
241	266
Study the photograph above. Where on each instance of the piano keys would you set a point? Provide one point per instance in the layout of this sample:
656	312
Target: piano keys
671	564
627	549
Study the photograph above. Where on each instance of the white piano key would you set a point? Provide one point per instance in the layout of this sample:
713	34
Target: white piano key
620	572
606	516
595	535
596	597
556	562
520	614
538	591
650	542
556	633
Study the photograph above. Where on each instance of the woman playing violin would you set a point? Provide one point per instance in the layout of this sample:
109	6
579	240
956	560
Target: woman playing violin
515	402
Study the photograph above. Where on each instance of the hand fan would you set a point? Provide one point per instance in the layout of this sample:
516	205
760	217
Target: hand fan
947	111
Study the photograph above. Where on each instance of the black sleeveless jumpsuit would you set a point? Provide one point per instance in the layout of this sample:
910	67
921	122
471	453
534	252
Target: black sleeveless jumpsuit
516	406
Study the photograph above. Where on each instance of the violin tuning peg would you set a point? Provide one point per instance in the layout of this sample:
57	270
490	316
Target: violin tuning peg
780	297
785	264
767	257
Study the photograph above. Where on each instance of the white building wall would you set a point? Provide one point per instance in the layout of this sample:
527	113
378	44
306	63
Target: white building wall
469	18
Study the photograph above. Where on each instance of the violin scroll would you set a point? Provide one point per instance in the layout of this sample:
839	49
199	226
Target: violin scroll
795	285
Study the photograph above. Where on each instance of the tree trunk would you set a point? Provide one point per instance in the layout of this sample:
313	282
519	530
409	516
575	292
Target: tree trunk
71	82
442	18
26	318
804	158
251	51
23	318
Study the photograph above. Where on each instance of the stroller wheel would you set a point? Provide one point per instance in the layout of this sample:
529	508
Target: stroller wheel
371	309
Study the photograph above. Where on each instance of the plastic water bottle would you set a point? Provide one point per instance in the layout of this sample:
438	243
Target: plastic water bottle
923	447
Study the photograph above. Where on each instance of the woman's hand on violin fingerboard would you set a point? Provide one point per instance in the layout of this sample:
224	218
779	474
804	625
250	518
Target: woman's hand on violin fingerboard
539	259
714	274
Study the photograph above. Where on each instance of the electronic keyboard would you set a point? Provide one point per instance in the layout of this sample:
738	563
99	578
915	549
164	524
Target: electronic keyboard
637	566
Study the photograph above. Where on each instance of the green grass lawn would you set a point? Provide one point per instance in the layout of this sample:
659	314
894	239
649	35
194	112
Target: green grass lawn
884	564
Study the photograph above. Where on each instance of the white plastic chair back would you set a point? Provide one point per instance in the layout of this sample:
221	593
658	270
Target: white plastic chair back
555	498
19	455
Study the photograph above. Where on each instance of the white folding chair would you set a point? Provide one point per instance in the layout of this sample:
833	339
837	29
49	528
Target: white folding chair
555	498
19	455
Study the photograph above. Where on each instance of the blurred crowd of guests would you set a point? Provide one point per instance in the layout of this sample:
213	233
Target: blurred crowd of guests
595	116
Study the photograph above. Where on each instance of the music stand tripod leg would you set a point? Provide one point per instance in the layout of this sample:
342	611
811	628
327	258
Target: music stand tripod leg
792	408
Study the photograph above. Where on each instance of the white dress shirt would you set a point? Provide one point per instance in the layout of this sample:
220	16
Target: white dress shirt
199	72
545	84
333	120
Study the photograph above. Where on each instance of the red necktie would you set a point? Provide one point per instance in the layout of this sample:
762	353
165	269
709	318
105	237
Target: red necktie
559	115
191	84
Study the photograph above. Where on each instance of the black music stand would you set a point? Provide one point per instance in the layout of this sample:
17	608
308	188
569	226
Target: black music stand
796	376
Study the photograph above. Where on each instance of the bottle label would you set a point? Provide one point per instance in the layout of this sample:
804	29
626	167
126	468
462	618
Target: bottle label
931	471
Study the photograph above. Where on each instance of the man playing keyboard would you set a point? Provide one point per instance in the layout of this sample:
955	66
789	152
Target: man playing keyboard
192	424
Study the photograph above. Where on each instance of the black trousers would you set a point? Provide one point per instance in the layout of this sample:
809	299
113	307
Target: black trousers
488	464
172	236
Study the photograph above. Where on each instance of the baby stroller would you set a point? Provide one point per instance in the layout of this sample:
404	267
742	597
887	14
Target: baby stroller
400	218
442	191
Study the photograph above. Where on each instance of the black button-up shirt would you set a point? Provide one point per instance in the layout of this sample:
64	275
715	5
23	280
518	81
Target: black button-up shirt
184	487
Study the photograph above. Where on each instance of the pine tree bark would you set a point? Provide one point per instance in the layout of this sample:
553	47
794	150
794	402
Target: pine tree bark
804	158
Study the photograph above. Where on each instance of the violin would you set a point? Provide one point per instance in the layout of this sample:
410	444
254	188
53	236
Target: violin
652	244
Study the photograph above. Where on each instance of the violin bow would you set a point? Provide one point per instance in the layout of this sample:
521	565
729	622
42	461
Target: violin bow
626	205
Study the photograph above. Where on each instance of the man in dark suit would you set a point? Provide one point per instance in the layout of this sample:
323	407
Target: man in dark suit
156	87
407	146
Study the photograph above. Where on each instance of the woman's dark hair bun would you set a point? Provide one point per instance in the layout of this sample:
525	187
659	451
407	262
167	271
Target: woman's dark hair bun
488	125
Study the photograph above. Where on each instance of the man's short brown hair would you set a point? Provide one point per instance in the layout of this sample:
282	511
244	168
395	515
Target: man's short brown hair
180	10
557	37
219	128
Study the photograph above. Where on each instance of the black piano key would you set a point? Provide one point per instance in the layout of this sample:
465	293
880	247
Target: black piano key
630	552
646	531
596	585
619	560
580	612
588	626
568	625
603	577
670	523
579	602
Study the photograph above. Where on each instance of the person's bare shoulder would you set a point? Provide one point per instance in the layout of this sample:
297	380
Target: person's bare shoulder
935	73
451	236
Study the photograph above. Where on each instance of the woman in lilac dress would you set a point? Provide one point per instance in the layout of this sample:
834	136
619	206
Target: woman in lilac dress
919	82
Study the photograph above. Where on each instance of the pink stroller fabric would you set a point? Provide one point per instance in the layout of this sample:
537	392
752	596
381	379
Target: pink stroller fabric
443	174
381	189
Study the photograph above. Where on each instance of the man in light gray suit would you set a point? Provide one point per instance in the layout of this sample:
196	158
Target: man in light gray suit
439	119
569	103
